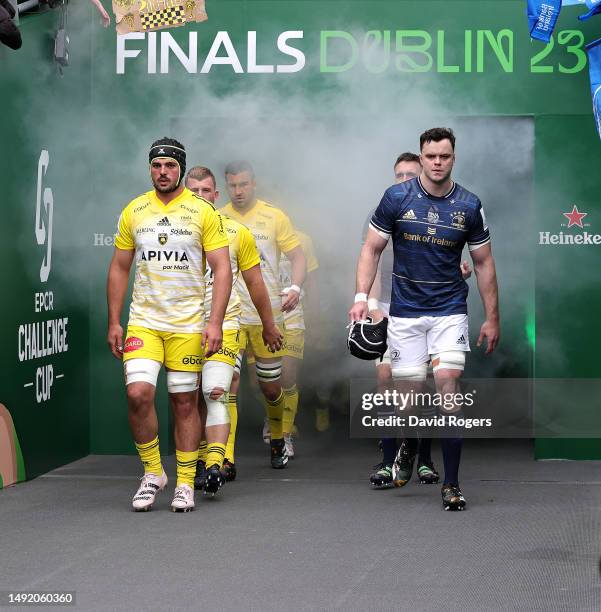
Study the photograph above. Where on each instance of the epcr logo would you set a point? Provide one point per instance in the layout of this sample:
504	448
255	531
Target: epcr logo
43	226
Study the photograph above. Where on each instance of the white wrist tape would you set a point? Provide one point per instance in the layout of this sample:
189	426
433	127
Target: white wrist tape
360	297
373	304
292	288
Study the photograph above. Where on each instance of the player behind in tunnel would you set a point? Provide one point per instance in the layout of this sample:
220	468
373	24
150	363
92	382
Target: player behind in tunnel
273	234
217	444
295	322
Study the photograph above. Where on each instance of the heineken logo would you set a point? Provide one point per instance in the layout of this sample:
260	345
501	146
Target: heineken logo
575	219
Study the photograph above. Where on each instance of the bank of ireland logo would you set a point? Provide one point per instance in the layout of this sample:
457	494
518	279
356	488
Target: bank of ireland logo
43	220
163	239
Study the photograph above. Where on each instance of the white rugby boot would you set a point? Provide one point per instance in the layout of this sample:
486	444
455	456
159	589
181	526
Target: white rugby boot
183	499
149	487
289	444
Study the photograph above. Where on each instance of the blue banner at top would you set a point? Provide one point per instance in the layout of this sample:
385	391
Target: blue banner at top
542	17
594	7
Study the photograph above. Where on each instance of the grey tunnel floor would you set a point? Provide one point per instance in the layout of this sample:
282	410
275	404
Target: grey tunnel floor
313	536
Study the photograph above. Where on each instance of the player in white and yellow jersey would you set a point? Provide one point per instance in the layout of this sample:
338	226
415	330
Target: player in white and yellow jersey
170	232
273	234
217	450
294	334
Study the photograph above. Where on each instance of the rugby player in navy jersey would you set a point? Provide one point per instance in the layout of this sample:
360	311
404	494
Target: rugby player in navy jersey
430	219
406	167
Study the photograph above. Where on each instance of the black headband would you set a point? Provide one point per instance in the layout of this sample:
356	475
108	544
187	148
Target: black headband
167	150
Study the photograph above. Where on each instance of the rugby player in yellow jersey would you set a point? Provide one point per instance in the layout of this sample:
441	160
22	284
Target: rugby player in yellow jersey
170	232
294	335
217	451
273	234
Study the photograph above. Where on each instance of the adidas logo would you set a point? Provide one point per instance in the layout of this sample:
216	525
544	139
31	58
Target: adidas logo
409	215
461	340
164	221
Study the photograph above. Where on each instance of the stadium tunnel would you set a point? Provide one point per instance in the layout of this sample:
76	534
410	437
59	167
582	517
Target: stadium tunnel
79	112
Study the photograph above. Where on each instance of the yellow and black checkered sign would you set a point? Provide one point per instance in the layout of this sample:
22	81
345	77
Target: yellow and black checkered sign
170	16
150	15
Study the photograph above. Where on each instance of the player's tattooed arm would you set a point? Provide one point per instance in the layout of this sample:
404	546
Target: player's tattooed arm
116	288
366	272
486	276
299	271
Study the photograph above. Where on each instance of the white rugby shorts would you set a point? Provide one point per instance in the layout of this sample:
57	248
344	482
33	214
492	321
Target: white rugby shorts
411	341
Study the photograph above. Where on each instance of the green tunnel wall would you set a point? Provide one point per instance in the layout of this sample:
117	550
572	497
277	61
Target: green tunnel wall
96	126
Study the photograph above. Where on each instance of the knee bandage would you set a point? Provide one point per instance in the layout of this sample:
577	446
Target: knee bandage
141	370
448	360
182	382
417	372
216	375
269	372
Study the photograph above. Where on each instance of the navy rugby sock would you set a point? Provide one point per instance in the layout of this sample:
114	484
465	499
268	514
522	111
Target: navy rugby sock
389	449
451	456
424	447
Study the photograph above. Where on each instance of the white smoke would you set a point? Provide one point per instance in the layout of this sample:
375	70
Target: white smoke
325	156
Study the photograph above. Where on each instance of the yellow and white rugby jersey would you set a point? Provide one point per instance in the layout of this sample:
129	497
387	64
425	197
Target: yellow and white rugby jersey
273	234
243	256
295	318
170	242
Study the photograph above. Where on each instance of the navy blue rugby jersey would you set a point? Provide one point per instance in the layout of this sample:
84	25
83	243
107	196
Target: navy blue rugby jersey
428	235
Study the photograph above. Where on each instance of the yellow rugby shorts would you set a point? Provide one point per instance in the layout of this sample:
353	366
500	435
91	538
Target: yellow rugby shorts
179	352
